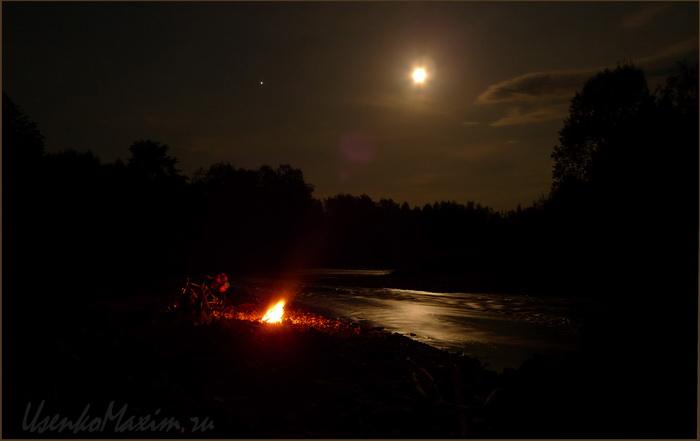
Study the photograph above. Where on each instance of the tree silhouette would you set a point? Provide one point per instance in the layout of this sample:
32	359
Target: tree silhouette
620	149
606	110
20	136
151	160
678	114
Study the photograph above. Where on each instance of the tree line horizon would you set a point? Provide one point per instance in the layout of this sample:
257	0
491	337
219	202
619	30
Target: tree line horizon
621	147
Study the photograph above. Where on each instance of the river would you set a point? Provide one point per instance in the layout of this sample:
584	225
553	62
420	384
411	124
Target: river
501	330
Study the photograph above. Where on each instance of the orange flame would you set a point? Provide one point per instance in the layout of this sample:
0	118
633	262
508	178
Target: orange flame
274	314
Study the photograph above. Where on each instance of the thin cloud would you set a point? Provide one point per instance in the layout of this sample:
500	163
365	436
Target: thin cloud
537	97
662	62
401	103
516	116
643	16
534	86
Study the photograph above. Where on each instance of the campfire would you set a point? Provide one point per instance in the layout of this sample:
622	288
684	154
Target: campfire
275	313
210	299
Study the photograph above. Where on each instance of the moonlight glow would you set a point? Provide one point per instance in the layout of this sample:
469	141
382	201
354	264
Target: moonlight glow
419	75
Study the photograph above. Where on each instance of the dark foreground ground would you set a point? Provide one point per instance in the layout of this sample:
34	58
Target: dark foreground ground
255	380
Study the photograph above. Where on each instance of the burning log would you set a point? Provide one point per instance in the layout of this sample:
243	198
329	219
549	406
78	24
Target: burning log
215	299
275	313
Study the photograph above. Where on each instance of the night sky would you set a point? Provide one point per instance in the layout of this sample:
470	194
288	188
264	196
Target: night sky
337	99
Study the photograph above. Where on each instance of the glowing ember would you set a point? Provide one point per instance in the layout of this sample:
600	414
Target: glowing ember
274	314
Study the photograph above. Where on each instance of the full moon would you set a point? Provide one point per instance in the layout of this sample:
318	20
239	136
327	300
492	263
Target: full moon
419	75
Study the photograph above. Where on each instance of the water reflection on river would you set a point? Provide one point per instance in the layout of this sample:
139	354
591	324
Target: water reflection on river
501	330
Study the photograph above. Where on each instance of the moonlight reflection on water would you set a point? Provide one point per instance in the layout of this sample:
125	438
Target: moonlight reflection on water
501	330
